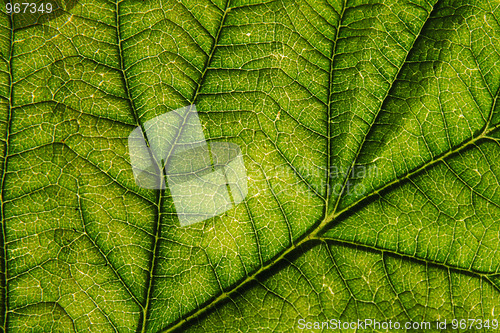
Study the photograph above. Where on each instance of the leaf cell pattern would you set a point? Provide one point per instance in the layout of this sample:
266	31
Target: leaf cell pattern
408	89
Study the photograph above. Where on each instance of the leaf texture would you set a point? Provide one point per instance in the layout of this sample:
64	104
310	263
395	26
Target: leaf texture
370	135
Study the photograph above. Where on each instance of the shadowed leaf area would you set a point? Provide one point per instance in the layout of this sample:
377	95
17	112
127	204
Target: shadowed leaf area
370	135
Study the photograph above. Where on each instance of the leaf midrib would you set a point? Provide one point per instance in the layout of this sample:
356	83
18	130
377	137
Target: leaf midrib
375	117
141	325
162	193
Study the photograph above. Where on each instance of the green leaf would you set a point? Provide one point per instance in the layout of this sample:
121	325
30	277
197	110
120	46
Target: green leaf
370	136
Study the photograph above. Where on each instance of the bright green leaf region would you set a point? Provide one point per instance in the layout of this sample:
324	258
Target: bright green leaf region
370	134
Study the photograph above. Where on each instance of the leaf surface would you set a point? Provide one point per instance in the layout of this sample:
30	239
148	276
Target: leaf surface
369	131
